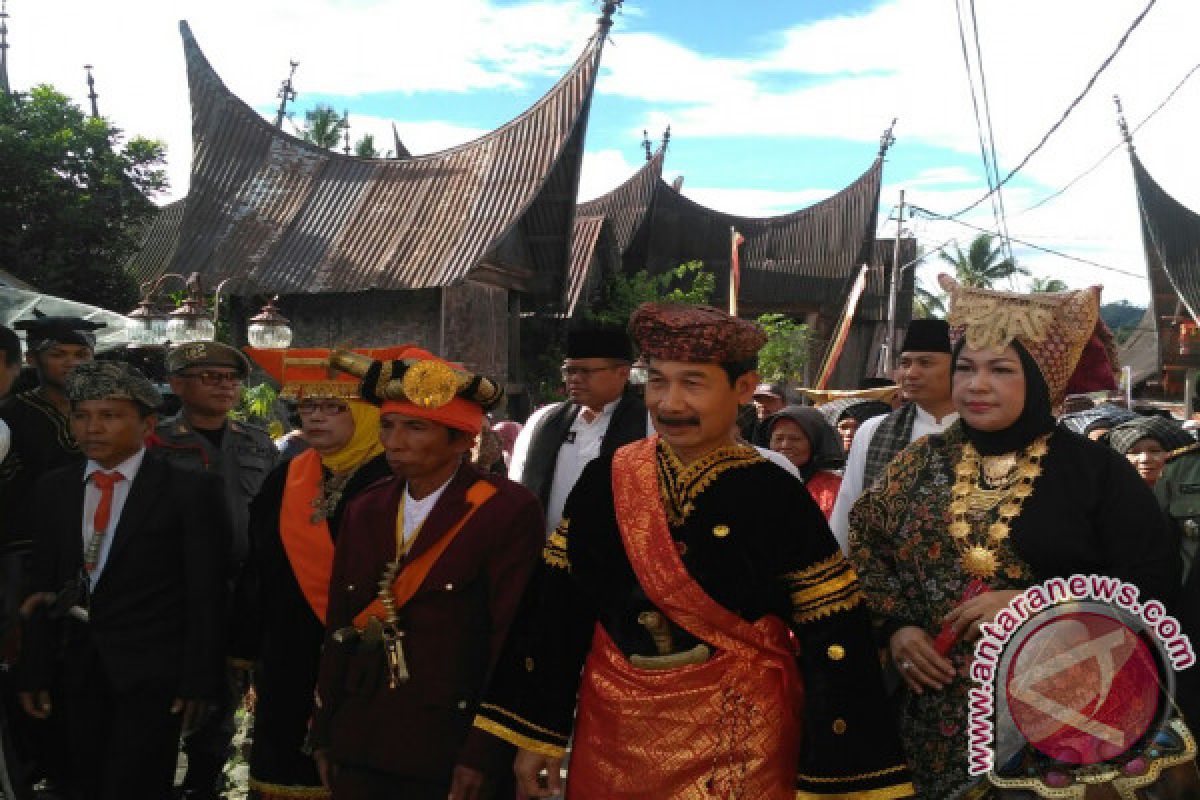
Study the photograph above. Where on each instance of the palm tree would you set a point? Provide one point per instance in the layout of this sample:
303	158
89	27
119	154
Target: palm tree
982	265
324	127
1047	285
365	147
928	304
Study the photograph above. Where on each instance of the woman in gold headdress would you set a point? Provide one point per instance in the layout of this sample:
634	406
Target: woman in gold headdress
1004	498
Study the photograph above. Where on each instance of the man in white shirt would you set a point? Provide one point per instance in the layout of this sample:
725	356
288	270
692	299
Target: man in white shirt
925	381
601	415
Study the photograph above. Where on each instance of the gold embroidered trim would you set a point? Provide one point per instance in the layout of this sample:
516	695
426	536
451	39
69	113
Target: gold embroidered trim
833	585
522	720
335	390
820	571
830	606
554	554
514	738
862	776
269	791
681	484
886	793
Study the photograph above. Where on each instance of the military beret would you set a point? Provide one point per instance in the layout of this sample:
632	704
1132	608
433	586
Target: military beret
695	334
207	354
111	380
43	331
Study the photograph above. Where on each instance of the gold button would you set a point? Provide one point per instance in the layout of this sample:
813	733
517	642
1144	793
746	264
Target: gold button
720	531
836	652
839	726
529	665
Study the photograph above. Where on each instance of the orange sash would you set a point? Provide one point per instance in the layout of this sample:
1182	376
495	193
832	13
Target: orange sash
415	572
729	727
308	544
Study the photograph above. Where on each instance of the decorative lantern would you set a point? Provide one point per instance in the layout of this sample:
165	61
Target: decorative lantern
1189	338
147	324
269	330
190	322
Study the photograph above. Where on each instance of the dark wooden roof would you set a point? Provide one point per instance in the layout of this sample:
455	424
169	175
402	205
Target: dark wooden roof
1171	239
280	215
159	236
804	258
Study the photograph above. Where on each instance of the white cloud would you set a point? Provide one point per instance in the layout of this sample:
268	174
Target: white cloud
603	171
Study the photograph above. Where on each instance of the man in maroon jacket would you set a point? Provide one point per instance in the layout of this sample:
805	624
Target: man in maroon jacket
429	569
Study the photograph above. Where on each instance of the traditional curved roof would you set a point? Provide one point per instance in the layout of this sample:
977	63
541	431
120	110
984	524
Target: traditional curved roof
1171	240
803	257
157	248
280	215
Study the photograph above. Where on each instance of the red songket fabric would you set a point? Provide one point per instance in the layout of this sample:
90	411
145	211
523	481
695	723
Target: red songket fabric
729	727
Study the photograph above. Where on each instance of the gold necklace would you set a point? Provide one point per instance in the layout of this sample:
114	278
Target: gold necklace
977	555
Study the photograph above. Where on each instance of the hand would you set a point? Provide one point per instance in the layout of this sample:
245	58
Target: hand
468	784
36	704
529	767
326	769
194	712
917	662
976	611
34	601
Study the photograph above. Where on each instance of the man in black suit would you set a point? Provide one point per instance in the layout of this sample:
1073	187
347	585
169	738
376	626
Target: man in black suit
125	633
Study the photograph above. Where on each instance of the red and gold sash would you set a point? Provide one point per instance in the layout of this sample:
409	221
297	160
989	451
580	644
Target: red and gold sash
729	727
308	544
415	572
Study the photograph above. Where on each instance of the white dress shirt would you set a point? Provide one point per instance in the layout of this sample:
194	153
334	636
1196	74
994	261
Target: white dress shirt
91	499
581	445
856	465
416	511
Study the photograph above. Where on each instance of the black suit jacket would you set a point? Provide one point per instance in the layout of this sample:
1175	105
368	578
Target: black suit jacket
157	612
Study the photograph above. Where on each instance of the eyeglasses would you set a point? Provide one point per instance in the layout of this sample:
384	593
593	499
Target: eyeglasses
328	408
214	378
583	372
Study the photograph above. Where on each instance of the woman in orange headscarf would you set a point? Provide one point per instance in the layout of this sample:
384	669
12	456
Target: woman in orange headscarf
279	620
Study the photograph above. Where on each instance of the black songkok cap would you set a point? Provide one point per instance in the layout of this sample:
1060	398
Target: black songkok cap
43	331
10	344
599	343
927	336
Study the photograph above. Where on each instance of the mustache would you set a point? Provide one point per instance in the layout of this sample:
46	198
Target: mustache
677	420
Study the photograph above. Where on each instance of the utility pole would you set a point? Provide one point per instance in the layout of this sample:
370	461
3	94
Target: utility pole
889	350
91	82
346	132
286	93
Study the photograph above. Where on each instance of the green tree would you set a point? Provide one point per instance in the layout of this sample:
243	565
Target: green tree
1047	285
74	197
785	354
687	283
983	264
365	147
324	126
928	304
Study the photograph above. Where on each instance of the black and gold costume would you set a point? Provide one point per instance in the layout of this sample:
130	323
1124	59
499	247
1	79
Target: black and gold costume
758	545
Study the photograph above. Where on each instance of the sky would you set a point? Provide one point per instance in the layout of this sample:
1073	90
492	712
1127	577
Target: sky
773	104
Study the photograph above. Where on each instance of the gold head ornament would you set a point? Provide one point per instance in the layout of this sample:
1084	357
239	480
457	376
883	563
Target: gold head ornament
425	383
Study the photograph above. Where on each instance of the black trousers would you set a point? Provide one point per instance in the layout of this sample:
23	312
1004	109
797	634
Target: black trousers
120	745
350	783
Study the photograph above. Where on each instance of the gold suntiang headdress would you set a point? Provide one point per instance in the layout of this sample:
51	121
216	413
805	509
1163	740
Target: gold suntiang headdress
1053	327
424	381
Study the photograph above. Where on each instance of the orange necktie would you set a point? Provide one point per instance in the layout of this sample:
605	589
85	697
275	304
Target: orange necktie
105	481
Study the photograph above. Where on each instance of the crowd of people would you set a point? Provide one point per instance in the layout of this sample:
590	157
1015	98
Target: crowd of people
643	592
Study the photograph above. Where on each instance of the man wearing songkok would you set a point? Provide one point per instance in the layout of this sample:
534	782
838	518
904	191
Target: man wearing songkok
925	382
429	568
283	591
602	414
681	567
128	607
40	441
207	378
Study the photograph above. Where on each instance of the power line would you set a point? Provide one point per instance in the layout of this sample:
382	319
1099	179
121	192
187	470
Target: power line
1048	250
989	170
1070	108
987	111
1115	147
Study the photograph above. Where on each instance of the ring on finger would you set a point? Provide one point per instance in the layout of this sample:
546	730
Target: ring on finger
906	664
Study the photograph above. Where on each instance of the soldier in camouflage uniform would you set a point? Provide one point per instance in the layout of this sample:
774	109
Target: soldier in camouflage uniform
207	377
1178	492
